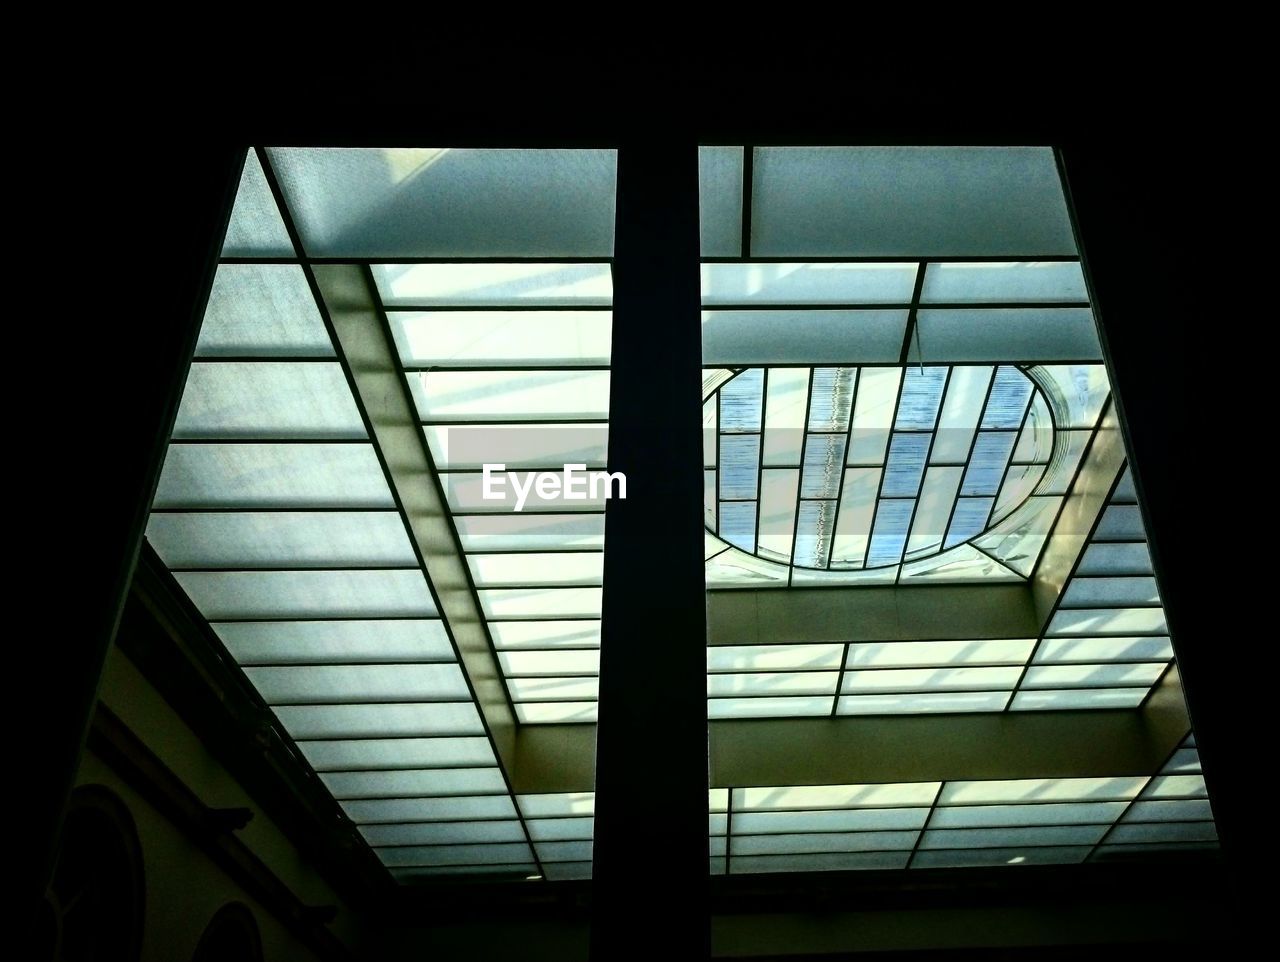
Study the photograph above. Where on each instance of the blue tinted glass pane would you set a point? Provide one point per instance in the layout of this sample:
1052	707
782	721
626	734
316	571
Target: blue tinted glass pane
1009	396
905	467
831	398
969	519
740	401
889	536
739	465
738	523
921	396
987	463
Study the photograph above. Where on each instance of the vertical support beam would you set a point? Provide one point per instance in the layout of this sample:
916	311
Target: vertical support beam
651	769
132	388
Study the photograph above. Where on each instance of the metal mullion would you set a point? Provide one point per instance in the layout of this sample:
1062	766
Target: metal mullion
728	834
322	307
748	187
912	310
1084	457
844	664
924	474
1138	796
804	449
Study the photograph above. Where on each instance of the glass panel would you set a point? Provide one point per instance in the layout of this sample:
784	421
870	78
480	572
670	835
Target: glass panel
262	310
819	861
889	537
545	634
1035	440
933	511
380	721
772	657
494	285
438	833
990	283
1006	334
911	704
834	796
961	411
823	842
739	464
538	532
1099	592
1074	676
545	713
905	654
873	413
510	395
1176	811
1068	650
1010	837
335	642
1115	559
1121	523
1032	855
731	284
1010	393
549	662
969	520
502	338
1164	832
1119	788
281	539
986	465
777	707
412	784
1082	698
372	753
1176	786
272	476
905	467
720	201
866	336
814	523
546	446
254	595
1106	621
327	684
564	851
256	228
741	400
746	823
1067	813
908	201
784	416
553	568
1076	392
857	509
558	803
831	398
823	466
917	679
921	397
449	202
773	683
267	399
540	602
393	810
553	689
560	829
778	512
738	523
465	493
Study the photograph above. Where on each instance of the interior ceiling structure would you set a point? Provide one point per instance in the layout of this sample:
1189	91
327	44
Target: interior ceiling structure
905	401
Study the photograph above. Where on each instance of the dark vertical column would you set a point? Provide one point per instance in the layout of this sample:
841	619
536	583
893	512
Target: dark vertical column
149	279
651	845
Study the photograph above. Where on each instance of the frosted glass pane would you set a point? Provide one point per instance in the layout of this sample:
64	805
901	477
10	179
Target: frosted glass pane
921	395
718	799
730	284
553	689
1164	832
1019	538
990	283
373	753
834	796
739	464
823	466
1176	786
558	829
1069	448
786	407
540	602
718	847
272	476
1031	855
957	564
908	201
740	401
1067	813
312	684
545	634
556	712
281	539
717	824
855	819
819	862
772	657
1175	811
256	228
1116	788
494	285
1036	437
777	707
1153	648
778	512
1184	760
906	654
773	683
1019	481
867	336
511	395
449	202
1071	676
734	567
554	568
1098	592
873	412
1083	698
440	833
1121	522
914	704
830	398
889	536
414	784
464	491
521	532
1006	334
502	338
933	510
558	803
961	410
564	851
504	871
546	446
1125	492
549	662
923	679
222	595
822	842
720	201
1104	621
267	399
380	721
261	310
905	467
390	810
1115	559
857	508
814	523
495	855
336	642
1011	837
1076	392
